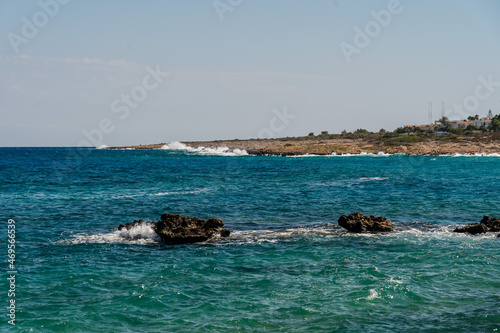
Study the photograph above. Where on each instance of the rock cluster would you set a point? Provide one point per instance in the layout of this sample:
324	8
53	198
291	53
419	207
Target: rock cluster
360	223
175	229
487	224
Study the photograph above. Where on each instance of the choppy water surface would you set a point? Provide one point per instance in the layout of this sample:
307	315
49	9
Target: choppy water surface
286	267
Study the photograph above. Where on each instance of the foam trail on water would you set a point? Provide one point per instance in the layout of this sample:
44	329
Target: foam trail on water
473	155
144	234
403	232
363	154
368	179
217	151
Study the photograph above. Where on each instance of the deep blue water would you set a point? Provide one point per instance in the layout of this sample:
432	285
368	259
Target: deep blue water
287	267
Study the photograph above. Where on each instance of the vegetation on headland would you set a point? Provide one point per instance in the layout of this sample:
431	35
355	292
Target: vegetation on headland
412	134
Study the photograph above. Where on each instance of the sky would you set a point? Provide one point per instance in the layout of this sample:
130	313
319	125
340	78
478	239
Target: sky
86	73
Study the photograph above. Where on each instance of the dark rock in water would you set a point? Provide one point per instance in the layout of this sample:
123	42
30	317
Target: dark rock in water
487	224
175	229
227	232
492	223
473	228
360	223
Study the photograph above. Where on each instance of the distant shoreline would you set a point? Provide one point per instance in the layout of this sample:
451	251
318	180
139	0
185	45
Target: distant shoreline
416	144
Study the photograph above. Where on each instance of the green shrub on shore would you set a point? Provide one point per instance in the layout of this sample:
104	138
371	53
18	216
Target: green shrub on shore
407	139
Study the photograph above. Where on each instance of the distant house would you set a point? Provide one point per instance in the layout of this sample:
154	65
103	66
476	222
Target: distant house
465	124
482	122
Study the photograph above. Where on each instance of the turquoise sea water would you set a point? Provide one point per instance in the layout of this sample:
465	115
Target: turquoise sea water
287	267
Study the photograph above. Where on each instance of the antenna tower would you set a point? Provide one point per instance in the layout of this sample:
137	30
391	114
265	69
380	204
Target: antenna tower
490	115
429	112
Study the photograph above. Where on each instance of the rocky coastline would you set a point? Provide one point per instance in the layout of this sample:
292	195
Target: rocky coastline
485	143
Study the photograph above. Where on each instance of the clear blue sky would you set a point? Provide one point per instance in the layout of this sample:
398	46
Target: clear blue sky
229	77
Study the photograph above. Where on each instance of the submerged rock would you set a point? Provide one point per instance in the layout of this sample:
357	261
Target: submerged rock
175	229
487	224
360	223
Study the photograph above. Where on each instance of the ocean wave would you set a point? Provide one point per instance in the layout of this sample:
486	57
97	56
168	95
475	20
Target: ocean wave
217	151
140	234
102	147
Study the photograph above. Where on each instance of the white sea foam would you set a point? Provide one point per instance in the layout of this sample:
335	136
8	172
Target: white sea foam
395	281
373	295
176	145
404	233
274	236
181	192
383	154
141	234
334	154
143	194
305	155
102	147
144	234
363	154
217	151
369	179
472	155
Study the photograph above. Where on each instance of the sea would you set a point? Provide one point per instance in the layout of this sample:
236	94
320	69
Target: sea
286	267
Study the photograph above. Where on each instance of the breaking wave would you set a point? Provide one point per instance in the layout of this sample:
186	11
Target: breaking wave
217	151
140	234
